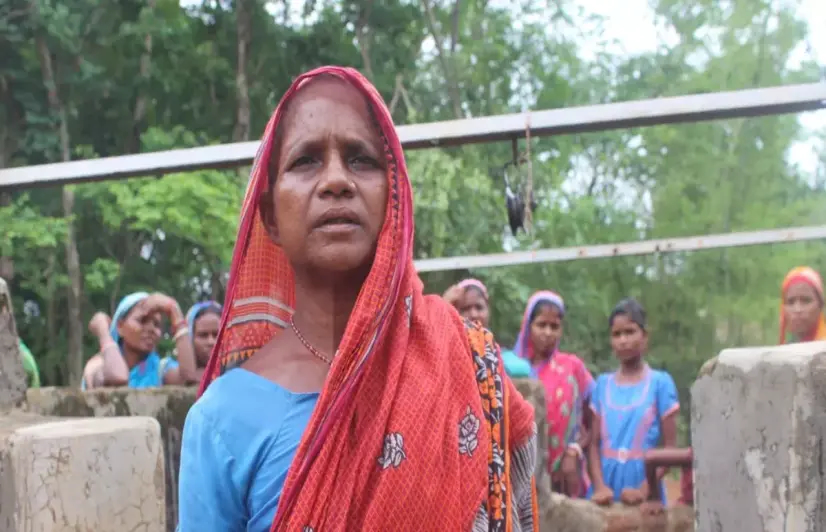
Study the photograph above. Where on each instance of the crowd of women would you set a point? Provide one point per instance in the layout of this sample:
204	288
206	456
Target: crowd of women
336	395
599	429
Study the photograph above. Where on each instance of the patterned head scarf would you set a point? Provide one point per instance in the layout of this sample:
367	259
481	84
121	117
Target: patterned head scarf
803	274
405	396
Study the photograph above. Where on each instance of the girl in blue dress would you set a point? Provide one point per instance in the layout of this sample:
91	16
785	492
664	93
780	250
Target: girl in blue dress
634	410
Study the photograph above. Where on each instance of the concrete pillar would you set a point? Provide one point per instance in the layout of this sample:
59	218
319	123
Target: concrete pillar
758	426
12	375
81	475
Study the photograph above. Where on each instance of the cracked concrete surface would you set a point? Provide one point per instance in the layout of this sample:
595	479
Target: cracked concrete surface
81	475
758	426
12	375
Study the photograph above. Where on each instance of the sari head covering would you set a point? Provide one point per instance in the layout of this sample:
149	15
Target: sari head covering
568	385
150	372
126	304
413	390
197	310
524	347
803	274
474	283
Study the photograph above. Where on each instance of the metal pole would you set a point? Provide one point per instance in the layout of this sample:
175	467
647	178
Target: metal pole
625	249
712	106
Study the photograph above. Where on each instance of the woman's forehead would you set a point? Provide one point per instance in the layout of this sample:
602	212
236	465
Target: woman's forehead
315	99
801	287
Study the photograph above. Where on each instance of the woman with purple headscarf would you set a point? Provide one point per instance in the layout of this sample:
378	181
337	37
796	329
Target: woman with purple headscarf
568	385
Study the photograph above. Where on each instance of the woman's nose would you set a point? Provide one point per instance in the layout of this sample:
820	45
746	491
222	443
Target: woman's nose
335	179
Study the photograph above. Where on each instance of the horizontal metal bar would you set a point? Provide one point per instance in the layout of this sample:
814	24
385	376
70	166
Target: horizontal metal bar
625	249
711	106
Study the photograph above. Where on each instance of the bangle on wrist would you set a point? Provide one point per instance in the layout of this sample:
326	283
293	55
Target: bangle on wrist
576	449
183	331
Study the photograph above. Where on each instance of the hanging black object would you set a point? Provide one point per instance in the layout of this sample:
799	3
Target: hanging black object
515	200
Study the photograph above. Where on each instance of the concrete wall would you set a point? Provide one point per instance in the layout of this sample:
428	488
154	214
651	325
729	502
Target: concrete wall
167	405
81	475
758	426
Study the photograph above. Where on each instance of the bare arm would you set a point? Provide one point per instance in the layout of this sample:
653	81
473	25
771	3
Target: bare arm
669	428
594	459
585	436
109	367
115	370
187	372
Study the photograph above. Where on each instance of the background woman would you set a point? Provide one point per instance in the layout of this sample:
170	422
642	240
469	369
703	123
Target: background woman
568	385
471	300
336	388
635	409
802	317
203	320
128	341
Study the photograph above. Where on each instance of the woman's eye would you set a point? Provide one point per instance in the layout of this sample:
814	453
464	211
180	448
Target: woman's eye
363	160
304	160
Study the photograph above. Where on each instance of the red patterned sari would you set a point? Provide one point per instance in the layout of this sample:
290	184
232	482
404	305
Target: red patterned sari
417	426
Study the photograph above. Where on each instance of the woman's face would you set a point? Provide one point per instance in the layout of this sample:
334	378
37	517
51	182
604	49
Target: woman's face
140	329
802	308
628	339
206	334
474	306
327	203
546	330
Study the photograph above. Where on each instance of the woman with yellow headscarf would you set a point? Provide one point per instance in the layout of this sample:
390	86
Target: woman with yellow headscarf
801	310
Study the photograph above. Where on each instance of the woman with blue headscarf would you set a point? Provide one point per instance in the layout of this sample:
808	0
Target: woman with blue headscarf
203	320
128	343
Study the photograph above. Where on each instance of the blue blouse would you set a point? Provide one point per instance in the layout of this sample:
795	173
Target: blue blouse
239	441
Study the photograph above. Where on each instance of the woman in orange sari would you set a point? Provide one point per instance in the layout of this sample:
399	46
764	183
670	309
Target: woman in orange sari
338	397
801	309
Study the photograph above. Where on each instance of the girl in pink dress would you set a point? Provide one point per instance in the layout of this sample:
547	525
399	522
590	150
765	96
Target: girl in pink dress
568	385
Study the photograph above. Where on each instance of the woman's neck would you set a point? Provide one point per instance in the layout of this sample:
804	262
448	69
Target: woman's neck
543	357
132	357
632	369
322	311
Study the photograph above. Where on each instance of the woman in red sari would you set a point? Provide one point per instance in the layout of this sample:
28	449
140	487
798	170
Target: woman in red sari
338	397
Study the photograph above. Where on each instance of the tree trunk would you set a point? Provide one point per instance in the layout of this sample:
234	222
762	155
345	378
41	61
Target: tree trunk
363	38
243	26
7	139
445	62
142	100
75	322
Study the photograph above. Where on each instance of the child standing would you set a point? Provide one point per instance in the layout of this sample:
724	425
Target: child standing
568	385
634	410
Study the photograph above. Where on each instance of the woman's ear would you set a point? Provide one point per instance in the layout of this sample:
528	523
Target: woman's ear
266	206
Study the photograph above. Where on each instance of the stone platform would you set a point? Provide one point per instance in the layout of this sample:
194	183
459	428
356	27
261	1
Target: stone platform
81	475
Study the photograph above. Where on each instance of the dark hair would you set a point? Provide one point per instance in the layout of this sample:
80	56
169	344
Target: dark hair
543	304
631	309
